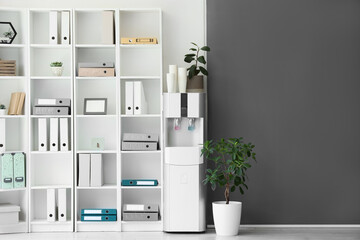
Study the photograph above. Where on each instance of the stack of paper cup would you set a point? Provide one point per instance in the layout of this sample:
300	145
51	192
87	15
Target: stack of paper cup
182	80
174	69
170	79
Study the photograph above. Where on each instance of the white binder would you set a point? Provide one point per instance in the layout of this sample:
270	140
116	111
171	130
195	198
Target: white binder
54	134
2	135
129	98
53	27
42	136
65	27
64	134
84	170
62	207
51	205
96	170
107	27
140	104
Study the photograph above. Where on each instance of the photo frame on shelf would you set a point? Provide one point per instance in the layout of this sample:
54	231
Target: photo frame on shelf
95	106
7	33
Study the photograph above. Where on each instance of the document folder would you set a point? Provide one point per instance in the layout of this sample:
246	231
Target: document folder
53	27
19	170
54	134
2	135
96	170
107	27
129	98
140	137
7	171
141	208
140	104
62	204
65	27
52	102
138	216
51	110
51	205
64	134
96	65
84	170
98	218
98	211
139	182
139	146
42	134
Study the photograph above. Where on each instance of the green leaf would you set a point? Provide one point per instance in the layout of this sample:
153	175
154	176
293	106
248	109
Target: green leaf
237	181
192	70
190	55
205	48
193	49
241	190
194	43
201	59
203	71
189	59
232	188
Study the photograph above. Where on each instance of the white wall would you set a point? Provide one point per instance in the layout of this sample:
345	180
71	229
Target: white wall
183	20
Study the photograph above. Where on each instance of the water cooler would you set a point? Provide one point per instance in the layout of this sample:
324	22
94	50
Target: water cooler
184	191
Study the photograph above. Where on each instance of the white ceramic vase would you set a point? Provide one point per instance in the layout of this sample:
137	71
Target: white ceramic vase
227	217
57	71
2	111
182	80
170	79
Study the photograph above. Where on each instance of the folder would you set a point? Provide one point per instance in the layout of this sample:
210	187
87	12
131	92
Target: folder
65	27
62	207
54	134
51	205
96	65
141	208
52	102
98	211
14	103
96	170
107	27
139	146
96	72
64	134
7	171
19	170
139	182
53	27
42	130
99	218
140	104
20	105
2	135
129	98
140	216
51	110
140	137
84	170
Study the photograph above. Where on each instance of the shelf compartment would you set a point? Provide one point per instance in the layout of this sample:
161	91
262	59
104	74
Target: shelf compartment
49	187
141	166
104	187
41	225
140	62
98	226
49	170
20	227
142	226
89	128
94	88
95	45
91	54
19	20
16	197
17	54
15	133
42	57
152	95
12	189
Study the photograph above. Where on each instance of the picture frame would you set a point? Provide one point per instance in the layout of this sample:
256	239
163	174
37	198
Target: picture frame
7	33
95	106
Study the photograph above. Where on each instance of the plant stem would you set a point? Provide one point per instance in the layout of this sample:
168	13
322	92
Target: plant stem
197	55
227	177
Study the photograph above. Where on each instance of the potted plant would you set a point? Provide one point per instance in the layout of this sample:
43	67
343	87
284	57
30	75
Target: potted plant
195	82
57	68
2	109
231	159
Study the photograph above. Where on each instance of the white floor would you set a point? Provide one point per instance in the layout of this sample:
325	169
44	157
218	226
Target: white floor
244	234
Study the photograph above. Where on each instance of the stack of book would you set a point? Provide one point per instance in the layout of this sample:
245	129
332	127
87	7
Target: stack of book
54	106
16	103
141	212
93	69
7	68
140	142
98	215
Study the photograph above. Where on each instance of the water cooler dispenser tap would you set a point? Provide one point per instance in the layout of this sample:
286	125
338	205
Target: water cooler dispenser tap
177	123
191	126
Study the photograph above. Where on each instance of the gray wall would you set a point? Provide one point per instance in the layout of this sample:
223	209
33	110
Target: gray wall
285	74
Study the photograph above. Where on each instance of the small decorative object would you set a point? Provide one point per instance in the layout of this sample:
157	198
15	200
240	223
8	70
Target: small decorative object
97	144
2	109
8	33
170	79
95	106
182	80
232	159
57	68
7	67
195	82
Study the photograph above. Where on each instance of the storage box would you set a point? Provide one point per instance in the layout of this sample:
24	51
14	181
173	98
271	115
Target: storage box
96	72
139	41
140	137
9	213
139	146
137	216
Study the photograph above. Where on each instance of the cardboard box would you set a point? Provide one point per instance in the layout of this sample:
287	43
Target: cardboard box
138	41
9	213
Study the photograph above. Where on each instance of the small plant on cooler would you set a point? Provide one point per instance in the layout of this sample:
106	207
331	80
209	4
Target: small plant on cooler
195	69
56	64
231	159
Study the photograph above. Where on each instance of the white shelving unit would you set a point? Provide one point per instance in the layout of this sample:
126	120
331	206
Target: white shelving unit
16	125
55	170
48	170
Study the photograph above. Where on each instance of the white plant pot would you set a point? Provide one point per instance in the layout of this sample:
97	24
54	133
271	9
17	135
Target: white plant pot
57	71
227	217
2	111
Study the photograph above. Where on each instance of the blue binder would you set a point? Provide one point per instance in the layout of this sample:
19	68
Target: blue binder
98	211
98	218
139	182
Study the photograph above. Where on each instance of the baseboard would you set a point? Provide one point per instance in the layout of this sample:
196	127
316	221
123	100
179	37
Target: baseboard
211	226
